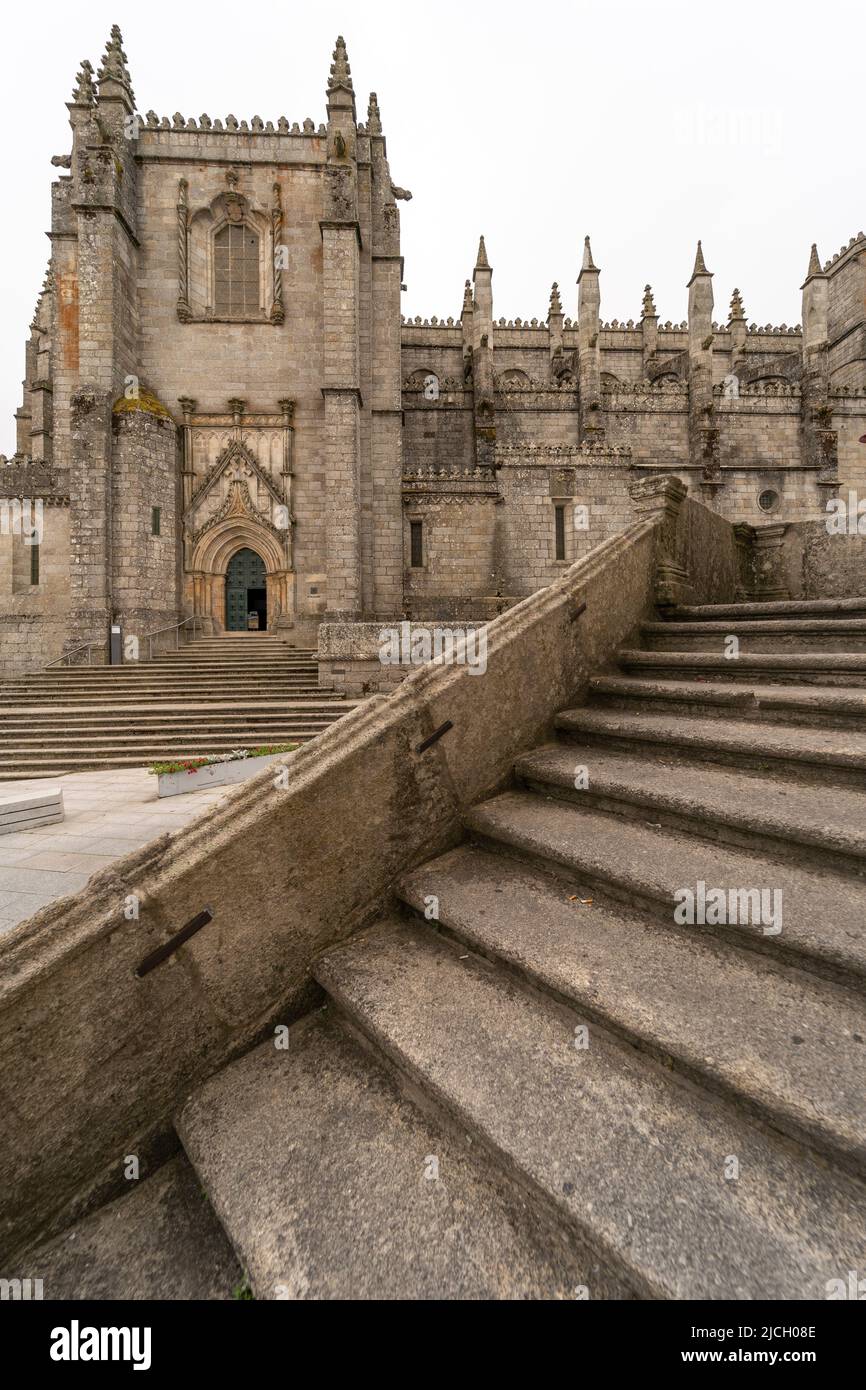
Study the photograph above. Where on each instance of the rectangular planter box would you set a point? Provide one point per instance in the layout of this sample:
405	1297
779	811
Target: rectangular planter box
215	775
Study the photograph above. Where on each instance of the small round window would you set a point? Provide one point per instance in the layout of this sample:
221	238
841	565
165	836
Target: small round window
768	501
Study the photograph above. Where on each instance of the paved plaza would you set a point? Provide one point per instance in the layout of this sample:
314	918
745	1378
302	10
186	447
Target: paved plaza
107	815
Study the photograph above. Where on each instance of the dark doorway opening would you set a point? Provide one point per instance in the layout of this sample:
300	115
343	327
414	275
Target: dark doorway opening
246	591
257	602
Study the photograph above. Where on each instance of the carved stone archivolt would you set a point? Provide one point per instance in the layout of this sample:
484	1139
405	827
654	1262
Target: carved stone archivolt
237	484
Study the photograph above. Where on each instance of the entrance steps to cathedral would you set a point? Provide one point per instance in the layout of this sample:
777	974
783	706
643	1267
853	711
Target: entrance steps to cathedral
211	696
445	1128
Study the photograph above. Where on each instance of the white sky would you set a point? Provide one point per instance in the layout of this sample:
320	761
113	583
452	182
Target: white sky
647	125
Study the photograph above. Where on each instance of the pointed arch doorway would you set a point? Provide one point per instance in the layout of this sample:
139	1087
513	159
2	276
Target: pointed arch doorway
246	591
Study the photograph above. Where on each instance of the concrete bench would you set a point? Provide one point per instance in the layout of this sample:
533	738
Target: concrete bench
26	810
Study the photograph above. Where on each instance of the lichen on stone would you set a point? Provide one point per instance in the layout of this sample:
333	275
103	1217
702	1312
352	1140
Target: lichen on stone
145	401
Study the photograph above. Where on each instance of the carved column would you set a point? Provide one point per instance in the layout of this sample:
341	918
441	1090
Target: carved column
184	311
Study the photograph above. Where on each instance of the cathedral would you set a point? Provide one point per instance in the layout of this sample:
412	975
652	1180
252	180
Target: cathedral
226	417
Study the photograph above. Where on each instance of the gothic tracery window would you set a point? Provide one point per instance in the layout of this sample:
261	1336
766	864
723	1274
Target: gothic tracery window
236	271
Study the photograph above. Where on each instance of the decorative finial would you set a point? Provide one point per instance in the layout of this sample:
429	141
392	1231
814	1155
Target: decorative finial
814	263
481	262
737	311
700	266
588	263
113	67
374	118
649	308
341	73
84	95
555	301
468	306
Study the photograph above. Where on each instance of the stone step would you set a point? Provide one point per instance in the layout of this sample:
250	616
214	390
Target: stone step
784	1045
828	755
779	608
24	730
142	687
214	694
160	1241
794	636
640	863
124	676
822	668
826	705
133	740
733	806
343	1204
629	1156
59	766
177	669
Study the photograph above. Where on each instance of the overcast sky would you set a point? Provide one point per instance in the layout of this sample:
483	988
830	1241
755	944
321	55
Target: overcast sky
647	125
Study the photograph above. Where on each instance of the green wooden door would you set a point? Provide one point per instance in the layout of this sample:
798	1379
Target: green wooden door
246	571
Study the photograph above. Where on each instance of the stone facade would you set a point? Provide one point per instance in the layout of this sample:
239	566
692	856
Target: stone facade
381	468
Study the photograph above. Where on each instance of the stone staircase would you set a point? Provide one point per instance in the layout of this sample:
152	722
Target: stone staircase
551	1086
211	696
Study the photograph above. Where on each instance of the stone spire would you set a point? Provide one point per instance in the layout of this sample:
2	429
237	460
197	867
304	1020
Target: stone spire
340	92
374	118
737	326
341	73
700	264
555	301
588	263
589	351
814	263
113	70
649	323
84	95
482	278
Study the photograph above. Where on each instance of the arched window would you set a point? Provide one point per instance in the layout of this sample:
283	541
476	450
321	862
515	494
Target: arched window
236	271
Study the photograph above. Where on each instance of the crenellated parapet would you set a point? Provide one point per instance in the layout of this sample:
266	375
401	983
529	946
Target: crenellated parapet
26	477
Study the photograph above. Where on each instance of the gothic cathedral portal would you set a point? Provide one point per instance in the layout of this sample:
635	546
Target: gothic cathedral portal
246	591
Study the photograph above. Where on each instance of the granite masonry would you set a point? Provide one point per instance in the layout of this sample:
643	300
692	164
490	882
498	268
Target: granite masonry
218	375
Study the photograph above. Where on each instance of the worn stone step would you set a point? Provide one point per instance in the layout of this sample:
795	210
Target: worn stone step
776	608
630	1157
824	705
828	755
178	746
122	677
159	1242
791	635
106	689
734	806
146	728
319	1169
823	668
793	1049
217	694
641	863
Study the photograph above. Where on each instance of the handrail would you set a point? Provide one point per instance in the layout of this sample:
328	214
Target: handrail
85	646
172	627
148	637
